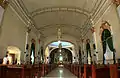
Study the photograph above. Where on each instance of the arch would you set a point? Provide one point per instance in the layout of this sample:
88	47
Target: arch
14	54
53	9
65	48
61	25
61	40
66	51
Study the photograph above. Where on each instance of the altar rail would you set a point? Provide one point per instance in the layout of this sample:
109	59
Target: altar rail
25	71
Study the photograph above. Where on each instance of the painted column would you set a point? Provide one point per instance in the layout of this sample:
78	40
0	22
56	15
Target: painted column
39	54
84	52
26	53
94	44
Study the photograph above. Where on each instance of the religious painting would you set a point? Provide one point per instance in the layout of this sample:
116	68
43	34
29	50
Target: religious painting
107	41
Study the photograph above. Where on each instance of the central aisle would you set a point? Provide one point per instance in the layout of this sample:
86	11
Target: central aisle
60	72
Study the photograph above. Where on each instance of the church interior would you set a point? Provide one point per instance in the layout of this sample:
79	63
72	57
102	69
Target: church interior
59	38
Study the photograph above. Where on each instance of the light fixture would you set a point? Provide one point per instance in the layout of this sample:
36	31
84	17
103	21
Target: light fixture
59	41
60	50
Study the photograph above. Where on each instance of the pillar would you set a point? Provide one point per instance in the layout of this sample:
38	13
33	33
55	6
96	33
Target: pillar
26	53
94	44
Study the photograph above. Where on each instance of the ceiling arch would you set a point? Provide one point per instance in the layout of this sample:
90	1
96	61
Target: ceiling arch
67	38
60	25
87	5
73	15
58	9
70	18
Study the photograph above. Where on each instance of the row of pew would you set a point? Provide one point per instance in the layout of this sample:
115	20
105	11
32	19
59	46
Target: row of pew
25	71
94	71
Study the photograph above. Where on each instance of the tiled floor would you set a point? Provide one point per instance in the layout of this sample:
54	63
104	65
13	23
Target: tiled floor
60	72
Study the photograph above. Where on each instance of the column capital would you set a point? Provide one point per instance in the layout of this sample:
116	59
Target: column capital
4	3
92	29
117	2
28	29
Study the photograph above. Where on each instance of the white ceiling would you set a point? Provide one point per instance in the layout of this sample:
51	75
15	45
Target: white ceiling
71	15
33	5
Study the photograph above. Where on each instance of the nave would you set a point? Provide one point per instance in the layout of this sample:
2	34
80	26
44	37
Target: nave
60	72
36	36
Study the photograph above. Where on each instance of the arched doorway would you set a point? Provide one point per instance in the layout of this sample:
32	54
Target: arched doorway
65	56
13	54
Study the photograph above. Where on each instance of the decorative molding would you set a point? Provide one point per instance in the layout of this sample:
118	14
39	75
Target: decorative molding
4	3
92	29
104	7
117	2
61	25
23	16
57	9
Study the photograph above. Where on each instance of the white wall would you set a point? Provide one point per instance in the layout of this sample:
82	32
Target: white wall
12	33
112	17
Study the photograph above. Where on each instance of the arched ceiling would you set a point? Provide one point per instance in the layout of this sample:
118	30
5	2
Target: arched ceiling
72	16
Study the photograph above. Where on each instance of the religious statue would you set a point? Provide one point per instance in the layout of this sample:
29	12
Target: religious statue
32	53
106	38
88	49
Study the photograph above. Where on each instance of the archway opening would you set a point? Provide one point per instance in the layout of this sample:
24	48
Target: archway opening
65	56
60	51
13	54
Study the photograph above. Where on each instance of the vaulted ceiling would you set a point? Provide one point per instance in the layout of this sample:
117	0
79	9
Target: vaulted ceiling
73	16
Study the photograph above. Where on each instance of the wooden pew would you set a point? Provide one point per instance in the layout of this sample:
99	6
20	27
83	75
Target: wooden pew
82	72
114	71
13	72
118	72
87	71
3	69
24	71
100	71
76	70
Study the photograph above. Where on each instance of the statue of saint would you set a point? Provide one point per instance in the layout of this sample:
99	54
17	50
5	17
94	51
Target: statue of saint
107	42
88	49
